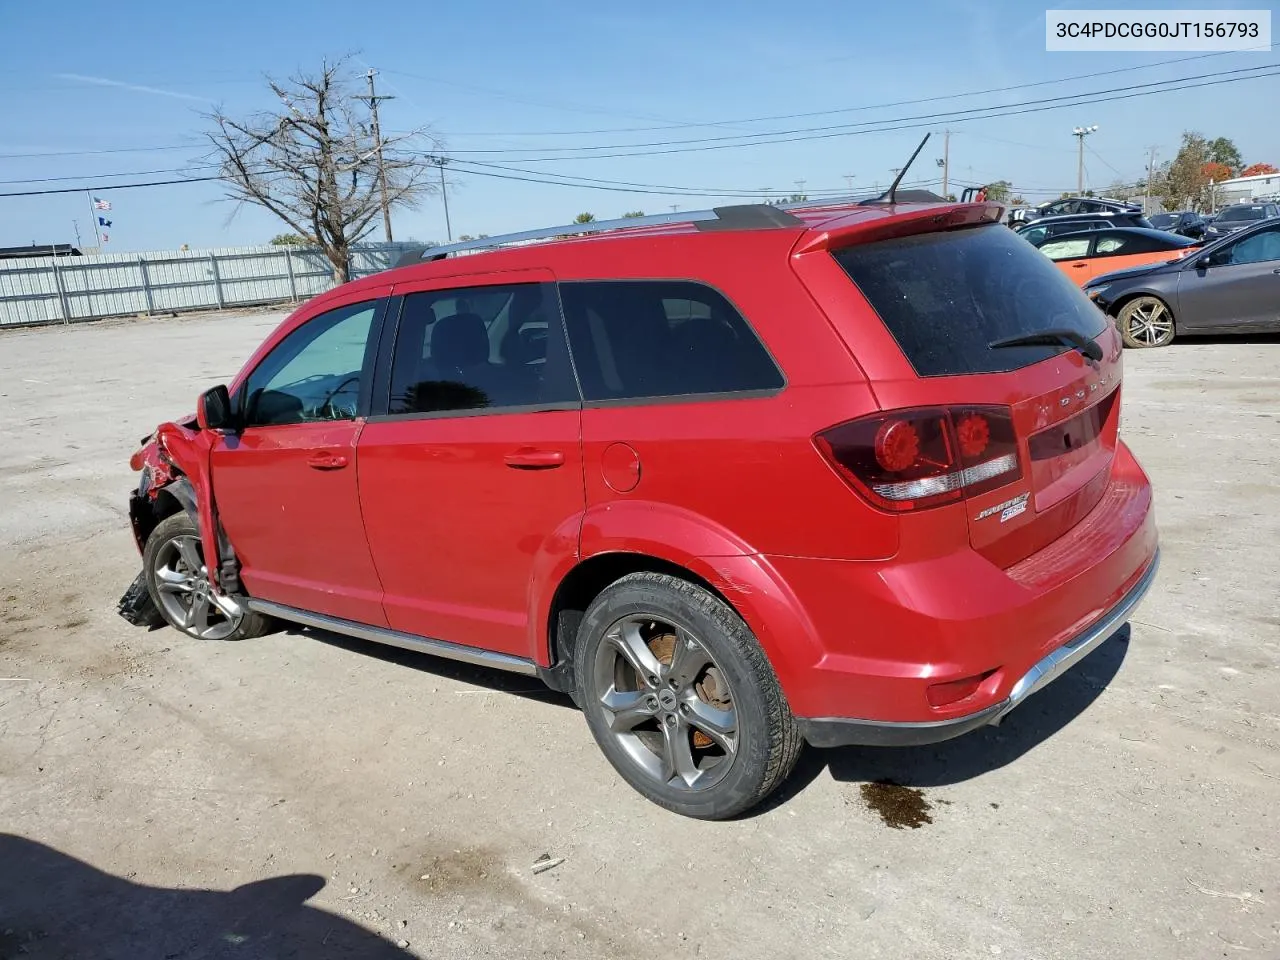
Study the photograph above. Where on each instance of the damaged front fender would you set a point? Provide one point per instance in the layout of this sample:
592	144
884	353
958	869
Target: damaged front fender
175	462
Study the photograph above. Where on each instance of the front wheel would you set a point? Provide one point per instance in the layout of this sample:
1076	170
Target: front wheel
178	581
681	699
1145	322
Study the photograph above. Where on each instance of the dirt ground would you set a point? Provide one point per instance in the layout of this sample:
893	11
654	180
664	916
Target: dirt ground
312	796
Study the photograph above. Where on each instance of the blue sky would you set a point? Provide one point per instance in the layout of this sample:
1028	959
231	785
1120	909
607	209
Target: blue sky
523	77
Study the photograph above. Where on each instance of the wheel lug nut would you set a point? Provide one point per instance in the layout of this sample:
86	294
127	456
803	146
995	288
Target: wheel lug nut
671	720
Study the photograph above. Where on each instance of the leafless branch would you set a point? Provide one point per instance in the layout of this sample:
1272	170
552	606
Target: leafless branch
314	162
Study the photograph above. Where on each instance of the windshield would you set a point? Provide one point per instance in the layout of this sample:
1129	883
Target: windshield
946	296
1242	213
1162	220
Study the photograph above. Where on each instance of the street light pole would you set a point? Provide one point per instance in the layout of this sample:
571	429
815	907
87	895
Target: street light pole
1080	133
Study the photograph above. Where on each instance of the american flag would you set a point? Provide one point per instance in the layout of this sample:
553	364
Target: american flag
105	238
101	204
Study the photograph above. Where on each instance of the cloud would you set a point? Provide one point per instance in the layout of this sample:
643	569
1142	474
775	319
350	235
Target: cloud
136	88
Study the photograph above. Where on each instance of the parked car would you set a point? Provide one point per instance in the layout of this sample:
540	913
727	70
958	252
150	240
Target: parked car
1229	286
843	475
1083	256
1238	216
1186	222
1072	205
1048	227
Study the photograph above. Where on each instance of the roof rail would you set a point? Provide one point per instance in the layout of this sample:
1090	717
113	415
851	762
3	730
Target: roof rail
567	230
746	216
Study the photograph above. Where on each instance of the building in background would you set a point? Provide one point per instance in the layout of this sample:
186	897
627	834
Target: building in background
40	250
1244	189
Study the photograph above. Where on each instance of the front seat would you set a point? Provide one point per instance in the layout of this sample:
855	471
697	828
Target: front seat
460	354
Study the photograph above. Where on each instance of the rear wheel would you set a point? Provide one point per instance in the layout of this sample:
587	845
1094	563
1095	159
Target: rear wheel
178	581
681	699
1145	322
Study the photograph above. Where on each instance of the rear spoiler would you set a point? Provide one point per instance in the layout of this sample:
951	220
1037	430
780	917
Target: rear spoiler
905	224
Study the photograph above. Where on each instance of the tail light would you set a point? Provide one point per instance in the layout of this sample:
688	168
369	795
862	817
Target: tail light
914	459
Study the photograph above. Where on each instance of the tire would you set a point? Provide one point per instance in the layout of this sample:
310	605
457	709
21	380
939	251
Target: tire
173	567
1144	322
703	729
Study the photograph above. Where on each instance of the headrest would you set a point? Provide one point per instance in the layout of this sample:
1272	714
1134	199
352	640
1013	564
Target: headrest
460	341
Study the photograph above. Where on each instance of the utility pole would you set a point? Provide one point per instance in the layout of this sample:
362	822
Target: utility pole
1146	190
444	195
946	161
1080	133
373	99
800	187
848	178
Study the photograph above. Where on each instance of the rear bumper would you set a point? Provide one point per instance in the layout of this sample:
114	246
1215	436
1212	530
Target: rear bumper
837	732
933	639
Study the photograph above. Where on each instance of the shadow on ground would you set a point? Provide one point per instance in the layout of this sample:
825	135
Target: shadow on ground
499	681
973	754
55	906
953	761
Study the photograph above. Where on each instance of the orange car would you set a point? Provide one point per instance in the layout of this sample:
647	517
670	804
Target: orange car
1083	256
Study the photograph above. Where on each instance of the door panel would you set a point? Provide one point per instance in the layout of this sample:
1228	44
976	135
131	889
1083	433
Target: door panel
1238	296
474	472
285	486
458	509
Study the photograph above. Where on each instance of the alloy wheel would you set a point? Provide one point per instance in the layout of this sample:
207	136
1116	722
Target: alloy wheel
667	703
188	598
1150	323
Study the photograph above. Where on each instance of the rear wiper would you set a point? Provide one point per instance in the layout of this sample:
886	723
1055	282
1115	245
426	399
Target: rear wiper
1059	336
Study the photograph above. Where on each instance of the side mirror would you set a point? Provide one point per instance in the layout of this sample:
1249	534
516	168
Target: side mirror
213	409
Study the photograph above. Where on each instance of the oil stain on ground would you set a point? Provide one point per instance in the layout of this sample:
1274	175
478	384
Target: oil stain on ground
897	805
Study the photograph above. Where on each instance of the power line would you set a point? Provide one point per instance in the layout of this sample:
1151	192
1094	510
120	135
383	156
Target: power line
824	132
86	153
858	109
128	173
888	128
700	191
106	186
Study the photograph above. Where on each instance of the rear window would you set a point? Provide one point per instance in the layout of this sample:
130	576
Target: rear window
1162	221
946	296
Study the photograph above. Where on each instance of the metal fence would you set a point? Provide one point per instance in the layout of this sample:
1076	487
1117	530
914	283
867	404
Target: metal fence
67	289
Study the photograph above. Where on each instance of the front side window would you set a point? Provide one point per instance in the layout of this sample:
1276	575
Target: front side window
474	348
635	339
315	373
1259	248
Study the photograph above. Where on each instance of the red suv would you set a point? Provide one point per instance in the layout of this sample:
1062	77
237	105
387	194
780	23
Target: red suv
734	482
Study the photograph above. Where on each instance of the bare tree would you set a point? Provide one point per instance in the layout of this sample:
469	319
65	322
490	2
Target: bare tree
315	162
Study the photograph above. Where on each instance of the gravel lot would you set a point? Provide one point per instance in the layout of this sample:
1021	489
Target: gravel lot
383	804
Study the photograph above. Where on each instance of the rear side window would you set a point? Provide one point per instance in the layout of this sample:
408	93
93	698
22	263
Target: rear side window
472	348
946	296
635	339
1068	248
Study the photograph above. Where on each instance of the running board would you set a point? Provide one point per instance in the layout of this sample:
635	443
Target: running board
394	638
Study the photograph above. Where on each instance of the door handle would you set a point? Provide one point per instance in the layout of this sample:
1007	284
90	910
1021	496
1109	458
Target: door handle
1078	266
326	461
531	459
1276	270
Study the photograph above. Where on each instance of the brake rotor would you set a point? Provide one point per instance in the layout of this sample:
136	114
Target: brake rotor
663	647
